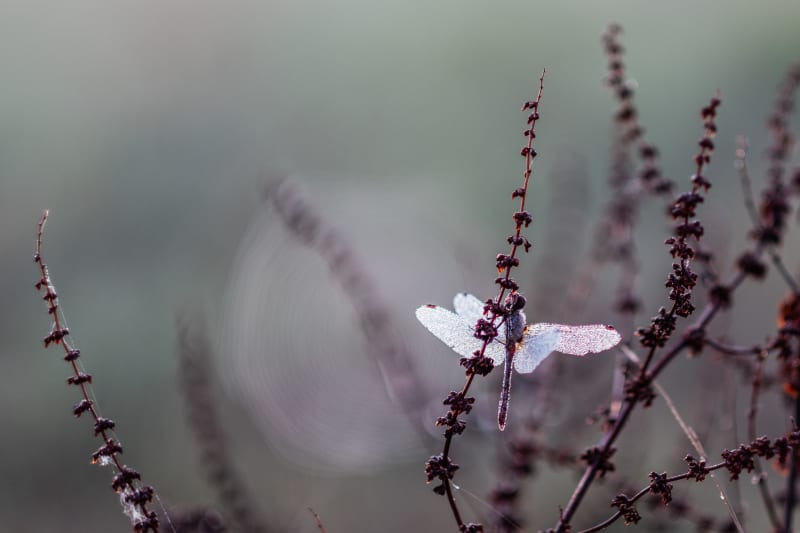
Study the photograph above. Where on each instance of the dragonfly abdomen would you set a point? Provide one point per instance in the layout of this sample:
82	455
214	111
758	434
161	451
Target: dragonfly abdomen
505	391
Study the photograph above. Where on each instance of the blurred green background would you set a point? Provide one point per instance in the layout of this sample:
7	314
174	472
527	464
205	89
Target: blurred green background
147	129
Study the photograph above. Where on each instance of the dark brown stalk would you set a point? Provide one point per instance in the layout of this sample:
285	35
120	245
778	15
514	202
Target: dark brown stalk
605	444
626	506
524	447
681	283
758	228
614	239
730	349
736	462
317	520
752	415
791	482
773	213
127	481
441	467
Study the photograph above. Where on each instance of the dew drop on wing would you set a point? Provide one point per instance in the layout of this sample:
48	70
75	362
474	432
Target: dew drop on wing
580	340
457	332
468	306
535	348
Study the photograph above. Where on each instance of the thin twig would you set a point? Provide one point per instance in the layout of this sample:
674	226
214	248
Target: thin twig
791	482
752	414
787	276
317	520
680	295
616	516
690	434
745	182
441	466
750	205
135	497
731	349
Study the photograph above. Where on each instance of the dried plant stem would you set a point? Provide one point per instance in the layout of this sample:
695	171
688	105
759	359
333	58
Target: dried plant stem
607	441
736	462
729	349
441	467
787	276
752	414
706	316
633	499
317	520
134	496
591	472
750	205
691	435
611	436
662	326
791	482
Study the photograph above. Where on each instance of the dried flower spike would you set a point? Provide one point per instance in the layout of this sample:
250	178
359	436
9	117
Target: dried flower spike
133	496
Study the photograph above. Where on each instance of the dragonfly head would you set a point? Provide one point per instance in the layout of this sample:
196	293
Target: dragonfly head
515	302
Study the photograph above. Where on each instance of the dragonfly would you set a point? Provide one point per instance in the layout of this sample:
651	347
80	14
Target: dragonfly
519	344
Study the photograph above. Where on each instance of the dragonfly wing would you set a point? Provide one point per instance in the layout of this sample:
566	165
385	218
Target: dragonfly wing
580	340
468	306
457	332
471	308
534	348
494	351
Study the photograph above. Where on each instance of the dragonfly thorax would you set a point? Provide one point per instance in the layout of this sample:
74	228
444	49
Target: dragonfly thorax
515	324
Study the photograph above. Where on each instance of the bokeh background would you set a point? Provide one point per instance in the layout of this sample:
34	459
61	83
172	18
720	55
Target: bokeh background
149	130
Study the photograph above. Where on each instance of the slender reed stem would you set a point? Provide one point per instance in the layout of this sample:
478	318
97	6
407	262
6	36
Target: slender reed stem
135	497
791	482
441	466
752	415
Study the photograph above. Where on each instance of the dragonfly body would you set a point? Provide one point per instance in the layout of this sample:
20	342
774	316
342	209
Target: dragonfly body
519	345
515	326
515	330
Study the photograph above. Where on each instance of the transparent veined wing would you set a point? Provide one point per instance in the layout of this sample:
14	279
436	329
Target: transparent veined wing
578	340
468	306
457	332
534	348
471	308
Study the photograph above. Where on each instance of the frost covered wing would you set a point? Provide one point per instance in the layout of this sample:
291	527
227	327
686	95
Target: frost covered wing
471	308
579	340
534	348
468	306
457	332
